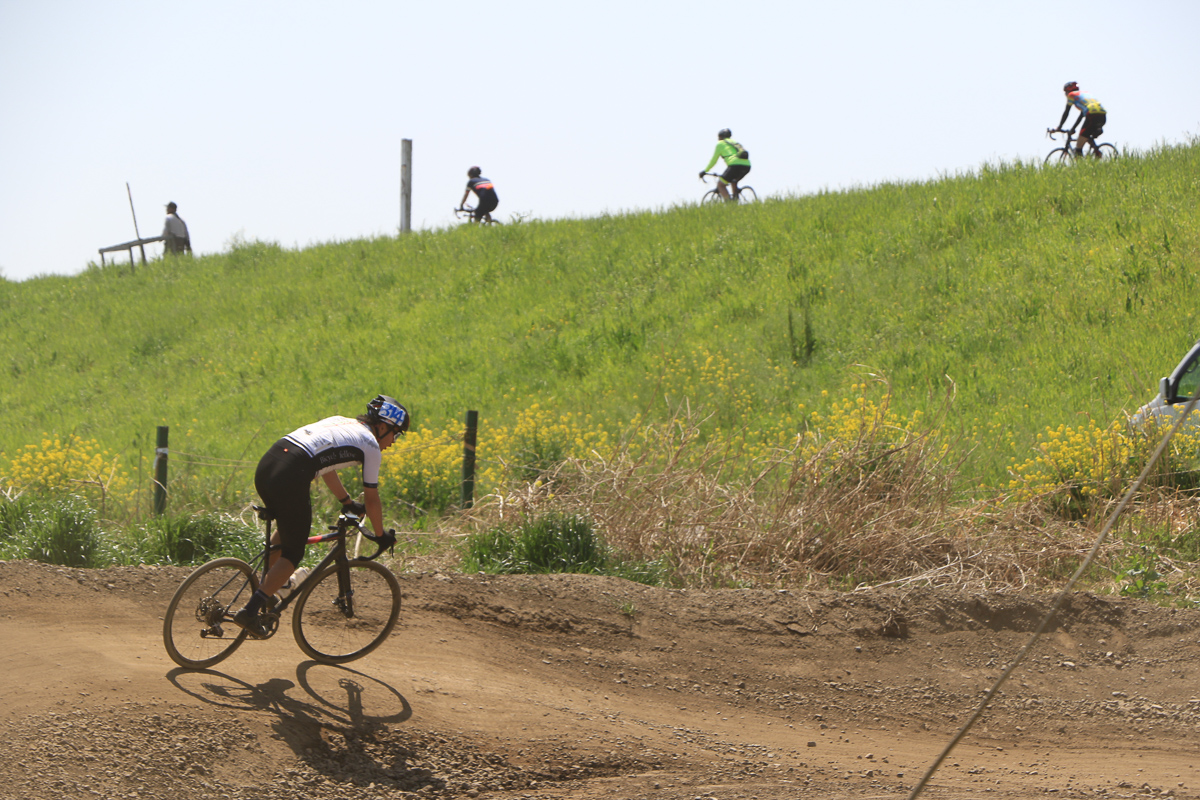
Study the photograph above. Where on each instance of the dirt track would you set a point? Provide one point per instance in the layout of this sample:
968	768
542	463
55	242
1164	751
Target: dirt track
579	687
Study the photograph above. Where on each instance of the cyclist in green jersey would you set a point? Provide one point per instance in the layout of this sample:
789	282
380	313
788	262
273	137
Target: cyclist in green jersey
737	162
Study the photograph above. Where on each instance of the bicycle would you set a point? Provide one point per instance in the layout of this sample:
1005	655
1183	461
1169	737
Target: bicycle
742	194
1060	155
469	212
345	608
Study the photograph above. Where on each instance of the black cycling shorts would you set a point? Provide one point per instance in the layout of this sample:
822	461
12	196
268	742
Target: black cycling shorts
282	479
735	173
1093	125
485	204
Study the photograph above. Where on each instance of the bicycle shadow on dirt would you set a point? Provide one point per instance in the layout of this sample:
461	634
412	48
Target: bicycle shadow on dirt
340	727
338	697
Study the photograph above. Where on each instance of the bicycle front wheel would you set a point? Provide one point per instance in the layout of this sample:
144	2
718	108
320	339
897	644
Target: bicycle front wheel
198	628
1107	152
1060	155
348	612
746	195
712	196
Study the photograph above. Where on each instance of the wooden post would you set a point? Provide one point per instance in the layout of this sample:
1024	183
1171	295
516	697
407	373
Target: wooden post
405	185
160	471
468	472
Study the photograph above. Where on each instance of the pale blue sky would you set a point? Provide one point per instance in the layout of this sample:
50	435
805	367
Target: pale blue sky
282	121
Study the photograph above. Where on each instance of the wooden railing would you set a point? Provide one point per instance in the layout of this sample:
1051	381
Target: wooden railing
128	246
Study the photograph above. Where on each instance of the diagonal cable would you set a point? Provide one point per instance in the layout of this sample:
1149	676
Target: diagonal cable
1058	601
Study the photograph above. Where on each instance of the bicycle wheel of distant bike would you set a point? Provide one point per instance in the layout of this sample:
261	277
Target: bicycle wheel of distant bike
197	629
746	195
1107	152
334	624
1059	155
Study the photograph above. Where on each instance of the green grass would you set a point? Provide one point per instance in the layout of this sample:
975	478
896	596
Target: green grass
1034	296
552	543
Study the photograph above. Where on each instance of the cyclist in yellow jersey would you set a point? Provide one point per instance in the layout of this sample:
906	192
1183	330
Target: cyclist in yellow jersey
737	162
1091	114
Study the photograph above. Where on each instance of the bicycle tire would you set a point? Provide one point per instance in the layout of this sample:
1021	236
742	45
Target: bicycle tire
1059	155
711	196
1107	152
198	629
331	631
746	194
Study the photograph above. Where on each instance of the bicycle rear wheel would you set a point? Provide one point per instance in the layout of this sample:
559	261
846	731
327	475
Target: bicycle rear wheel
1107	152
334	624
746	195
198	628
1060	155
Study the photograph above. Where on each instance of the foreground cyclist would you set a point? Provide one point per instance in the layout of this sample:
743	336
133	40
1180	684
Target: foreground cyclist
1091	114
737	163
486	198
287	469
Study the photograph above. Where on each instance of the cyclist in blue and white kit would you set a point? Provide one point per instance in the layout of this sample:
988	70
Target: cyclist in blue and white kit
290	466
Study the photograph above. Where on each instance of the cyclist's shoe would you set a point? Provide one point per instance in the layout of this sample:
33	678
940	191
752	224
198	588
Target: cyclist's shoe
250	623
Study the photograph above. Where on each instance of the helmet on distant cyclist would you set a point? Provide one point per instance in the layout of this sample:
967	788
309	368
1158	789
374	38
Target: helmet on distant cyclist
1070	86
473	172
724	133
385	409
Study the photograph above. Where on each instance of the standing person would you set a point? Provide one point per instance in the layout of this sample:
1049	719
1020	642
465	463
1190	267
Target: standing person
175	233
1091	114
285	472
737	163
485	195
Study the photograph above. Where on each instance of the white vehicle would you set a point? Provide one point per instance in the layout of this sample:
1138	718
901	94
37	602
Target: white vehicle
1174	392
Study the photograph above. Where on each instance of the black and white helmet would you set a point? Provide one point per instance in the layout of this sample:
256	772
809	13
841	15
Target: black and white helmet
387	409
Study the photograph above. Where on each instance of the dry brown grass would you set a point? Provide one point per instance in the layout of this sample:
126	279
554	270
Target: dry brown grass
879	510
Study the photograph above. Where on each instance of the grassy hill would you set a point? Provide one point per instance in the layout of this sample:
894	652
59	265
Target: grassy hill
1032	297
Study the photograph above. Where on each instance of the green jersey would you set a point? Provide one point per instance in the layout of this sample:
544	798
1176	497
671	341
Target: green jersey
728	149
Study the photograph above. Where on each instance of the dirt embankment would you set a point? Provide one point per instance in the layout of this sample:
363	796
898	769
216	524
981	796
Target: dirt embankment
583	687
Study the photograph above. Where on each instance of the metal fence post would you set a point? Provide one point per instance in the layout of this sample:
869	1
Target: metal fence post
468	469
160	471
405	185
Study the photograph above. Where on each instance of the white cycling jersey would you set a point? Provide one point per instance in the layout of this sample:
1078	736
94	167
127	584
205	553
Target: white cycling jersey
338	442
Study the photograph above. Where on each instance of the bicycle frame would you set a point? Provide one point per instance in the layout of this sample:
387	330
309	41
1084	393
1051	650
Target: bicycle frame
735	190
1095	149
718	176
337	534
469	212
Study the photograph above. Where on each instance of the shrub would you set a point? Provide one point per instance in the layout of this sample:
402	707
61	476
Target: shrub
70	464
194	538
1077	470
423	471
552	543
64	531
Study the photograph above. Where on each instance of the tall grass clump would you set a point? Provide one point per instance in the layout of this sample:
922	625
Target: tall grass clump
190	539
62	531
551	543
